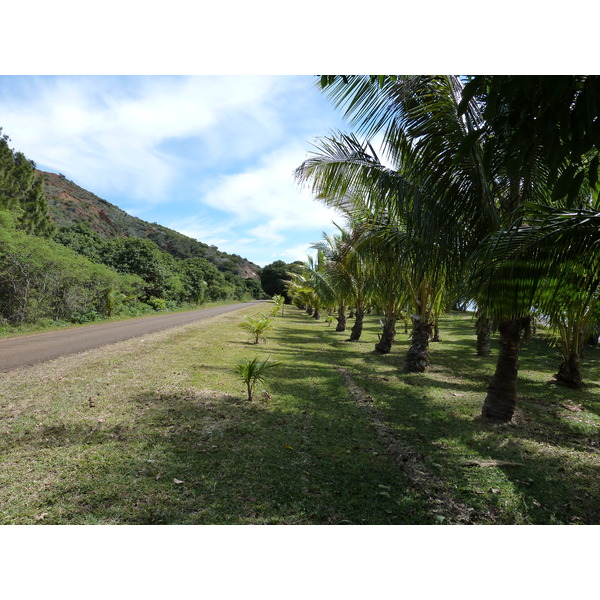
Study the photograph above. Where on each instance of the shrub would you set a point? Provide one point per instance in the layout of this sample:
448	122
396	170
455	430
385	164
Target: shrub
157	303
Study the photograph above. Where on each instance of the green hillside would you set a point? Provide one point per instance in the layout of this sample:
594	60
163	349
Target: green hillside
69	204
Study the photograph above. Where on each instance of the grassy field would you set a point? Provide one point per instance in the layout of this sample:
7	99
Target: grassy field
158	430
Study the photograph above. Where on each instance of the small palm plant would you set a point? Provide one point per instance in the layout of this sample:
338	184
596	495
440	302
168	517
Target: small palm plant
279	303
253	371
257	326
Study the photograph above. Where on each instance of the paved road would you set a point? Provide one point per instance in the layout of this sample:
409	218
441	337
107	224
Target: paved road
32	349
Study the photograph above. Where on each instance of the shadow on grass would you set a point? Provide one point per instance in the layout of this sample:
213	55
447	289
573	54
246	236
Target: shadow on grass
557	448
203	457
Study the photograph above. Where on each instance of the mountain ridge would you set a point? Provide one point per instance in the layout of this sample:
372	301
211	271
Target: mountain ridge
69	203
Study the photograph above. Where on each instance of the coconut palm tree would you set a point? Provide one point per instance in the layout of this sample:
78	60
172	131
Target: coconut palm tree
312	284
350	176
252	371
332	248
300	292
557	256
257	326
391	290
349	274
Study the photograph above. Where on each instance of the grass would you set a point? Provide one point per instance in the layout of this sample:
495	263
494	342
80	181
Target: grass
158	430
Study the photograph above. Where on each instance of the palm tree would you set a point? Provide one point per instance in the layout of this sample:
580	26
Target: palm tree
312	285
318	280
257	326
279	302
253	371
351	177
298	289
332	249
349	274
390	278
557	255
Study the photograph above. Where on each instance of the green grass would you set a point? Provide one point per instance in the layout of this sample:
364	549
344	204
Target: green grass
159	431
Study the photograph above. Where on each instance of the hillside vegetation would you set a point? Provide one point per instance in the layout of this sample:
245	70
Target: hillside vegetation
70	204
67	256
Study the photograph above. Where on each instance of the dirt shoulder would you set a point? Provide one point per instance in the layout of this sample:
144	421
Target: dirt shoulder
33	349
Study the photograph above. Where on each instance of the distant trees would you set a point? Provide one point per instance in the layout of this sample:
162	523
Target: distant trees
274	276
81	238
142	257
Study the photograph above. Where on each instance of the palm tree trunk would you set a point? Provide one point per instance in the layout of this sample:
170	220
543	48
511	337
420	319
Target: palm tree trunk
483	326
309	310
388	334
317	314
357	328
568	372
341	318
436	330
417	357
501	399
572	352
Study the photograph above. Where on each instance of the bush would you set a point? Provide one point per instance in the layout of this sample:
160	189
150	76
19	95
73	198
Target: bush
86	316
157	303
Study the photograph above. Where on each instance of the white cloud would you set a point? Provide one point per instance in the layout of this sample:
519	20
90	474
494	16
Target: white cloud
108	132
270	194
299	252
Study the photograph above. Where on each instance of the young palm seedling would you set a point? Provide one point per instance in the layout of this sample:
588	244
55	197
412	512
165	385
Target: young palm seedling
253	371
279	304
257	327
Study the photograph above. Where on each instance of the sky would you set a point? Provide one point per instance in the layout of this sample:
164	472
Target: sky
209	156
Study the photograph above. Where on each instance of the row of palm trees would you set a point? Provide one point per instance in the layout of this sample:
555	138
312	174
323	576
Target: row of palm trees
449	214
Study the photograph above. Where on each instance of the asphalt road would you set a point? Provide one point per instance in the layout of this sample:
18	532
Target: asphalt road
33	349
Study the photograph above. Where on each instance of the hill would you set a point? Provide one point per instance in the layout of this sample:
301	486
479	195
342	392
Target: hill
69	203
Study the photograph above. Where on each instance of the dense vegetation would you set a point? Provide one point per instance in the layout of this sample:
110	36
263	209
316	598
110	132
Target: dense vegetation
73	273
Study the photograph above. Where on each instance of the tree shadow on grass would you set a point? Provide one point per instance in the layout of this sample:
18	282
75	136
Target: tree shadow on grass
203	457
444	433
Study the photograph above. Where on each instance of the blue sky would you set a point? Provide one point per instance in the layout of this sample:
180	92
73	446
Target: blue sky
209	156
